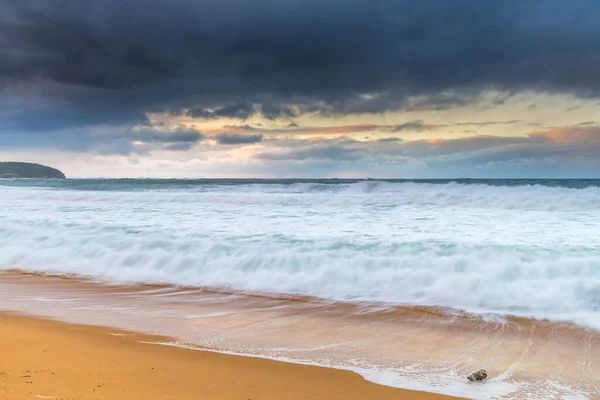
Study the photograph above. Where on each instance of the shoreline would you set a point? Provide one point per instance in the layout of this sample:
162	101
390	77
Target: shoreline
43	358
413	348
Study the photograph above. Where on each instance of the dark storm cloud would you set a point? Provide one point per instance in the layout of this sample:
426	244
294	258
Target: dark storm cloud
272	112
240	110
232	139
244	111
115	60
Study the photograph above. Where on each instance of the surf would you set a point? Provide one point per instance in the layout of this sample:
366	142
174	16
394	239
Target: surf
510	250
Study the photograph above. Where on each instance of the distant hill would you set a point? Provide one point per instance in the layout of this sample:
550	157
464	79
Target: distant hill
27	170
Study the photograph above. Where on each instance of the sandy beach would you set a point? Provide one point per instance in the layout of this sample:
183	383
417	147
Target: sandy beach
46	359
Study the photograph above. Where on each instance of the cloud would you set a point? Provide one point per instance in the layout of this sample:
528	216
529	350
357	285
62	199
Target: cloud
91	63
154	136
139	140
332	153
299	131
244	127
178	146
337	130
570	134
244	111
272	112
572	148
135	141
568	151
233	139
419	126
239	110
343	130
389	140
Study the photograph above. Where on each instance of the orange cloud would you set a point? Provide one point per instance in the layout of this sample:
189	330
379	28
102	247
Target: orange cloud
415	126
569	134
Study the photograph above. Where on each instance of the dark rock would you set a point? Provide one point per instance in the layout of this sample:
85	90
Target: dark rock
478	376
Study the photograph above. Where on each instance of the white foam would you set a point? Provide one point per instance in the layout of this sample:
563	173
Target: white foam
524	250
426	379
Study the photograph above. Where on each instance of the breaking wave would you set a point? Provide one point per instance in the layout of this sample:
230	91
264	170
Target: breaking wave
531	250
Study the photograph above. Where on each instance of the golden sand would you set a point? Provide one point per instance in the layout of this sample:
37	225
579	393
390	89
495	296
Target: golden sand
44	359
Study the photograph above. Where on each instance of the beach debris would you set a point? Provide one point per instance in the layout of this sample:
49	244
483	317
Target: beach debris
478	376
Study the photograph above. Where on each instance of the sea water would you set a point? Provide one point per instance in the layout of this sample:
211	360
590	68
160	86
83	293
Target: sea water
493	248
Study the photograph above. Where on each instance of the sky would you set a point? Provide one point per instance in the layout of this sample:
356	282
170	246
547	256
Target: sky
302	88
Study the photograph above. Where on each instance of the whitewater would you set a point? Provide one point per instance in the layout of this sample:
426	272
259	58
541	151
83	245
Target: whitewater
527	248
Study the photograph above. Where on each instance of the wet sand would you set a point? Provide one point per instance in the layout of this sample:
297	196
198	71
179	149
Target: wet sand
419	348
45	359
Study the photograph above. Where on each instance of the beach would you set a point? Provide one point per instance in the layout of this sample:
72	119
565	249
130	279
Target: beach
47	359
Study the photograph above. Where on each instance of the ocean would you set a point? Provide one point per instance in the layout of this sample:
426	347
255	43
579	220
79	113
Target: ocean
495	263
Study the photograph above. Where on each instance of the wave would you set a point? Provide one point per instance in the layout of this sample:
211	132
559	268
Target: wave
128	184
367	193
516	281
520	250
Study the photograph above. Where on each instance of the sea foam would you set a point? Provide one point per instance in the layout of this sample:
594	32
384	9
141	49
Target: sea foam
529	250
